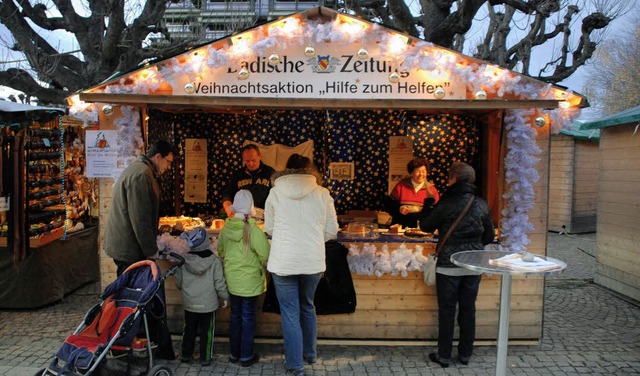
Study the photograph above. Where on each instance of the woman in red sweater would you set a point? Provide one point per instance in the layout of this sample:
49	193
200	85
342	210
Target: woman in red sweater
412	195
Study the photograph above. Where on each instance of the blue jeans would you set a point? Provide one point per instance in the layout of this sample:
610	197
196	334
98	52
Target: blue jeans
242	326
295	295
452	291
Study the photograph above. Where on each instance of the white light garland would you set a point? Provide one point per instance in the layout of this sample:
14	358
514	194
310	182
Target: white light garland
520	175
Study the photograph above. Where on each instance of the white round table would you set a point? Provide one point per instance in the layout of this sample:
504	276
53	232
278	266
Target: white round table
479	260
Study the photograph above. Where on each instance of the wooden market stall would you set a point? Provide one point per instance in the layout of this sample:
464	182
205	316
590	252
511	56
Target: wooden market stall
618	249
350	87
573	181
48	245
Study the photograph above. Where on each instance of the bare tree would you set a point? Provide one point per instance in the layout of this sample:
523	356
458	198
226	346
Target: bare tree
613	82
110	39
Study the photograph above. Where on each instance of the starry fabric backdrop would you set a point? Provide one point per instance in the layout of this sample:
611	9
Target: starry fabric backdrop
361	137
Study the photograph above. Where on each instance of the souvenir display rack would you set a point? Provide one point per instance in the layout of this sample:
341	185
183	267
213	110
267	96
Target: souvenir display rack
46	204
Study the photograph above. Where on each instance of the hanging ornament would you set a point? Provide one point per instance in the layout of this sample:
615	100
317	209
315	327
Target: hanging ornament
274	59
189	88
363	54
439	93
107	109
243	74
481	95
394	77
540	121
310	51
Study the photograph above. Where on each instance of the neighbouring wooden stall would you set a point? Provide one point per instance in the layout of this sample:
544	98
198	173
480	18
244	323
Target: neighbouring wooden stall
48	241
315	87
573	181
618	249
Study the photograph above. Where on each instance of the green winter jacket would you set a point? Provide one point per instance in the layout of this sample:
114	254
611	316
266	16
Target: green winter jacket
244	272
132	225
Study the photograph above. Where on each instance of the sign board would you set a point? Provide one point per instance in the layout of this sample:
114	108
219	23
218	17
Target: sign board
101	153
335	72
341	171
195	170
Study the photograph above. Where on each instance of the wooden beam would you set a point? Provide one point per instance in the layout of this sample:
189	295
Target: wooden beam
159	101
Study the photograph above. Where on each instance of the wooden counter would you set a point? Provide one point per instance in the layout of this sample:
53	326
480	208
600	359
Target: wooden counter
397	308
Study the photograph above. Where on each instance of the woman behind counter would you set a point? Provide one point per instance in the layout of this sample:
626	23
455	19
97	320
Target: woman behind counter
455	285
406	204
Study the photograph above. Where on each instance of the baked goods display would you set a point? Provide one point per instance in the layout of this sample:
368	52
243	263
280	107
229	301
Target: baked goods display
180	223
417	233
217	224
395	229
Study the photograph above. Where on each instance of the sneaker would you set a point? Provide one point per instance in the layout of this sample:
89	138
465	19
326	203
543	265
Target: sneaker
233	359
250	362
310	359
206	363
295	372
434	358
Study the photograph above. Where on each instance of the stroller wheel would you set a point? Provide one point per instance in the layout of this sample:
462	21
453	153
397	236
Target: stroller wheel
160	370
41	372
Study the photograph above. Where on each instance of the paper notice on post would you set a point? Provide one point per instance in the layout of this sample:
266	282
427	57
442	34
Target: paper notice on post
195	170
400	153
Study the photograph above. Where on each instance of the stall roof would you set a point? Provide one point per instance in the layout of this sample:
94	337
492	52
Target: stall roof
12	112
631	115
585	135
334	78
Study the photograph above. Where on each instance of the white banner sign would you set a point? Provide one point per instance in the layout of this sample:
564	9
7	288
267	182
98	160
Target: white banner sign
335	72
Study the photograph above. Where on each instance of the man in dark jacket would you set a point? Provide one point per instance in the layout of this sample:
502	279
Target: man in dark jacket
254	176
455	285
132	225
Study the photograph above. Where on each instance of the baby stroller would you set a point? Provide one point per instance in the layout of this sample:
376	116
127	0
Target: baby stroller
110	329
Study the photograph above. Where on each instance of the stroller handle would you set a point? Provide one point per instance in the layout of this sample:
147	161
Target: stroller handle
175	256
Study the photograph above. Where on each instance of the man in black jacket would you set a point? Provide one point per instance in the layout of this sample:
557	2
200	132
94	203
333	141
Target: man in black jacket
455	285
254	176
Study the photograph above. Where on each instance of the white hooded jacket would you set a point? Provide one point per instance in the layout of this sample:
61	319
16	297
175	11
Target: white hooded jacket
300	217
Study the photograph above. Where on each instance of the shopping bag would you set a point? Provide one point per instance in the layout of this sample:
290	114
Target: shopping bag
429	273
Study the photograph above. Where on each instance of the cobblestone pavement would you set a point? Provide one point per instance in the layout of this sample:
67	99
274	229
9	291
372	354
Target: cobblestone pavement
588	330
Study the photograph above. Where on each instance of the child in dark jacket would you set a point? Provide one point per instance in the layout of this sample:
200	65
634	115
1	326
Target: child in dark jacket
202	283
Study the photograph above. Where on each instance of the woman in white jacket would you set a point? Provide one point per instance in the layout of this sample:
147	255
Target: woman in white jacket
300	217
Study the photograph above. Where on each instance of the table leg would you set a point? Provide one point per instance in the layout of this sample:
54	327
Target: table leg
503	325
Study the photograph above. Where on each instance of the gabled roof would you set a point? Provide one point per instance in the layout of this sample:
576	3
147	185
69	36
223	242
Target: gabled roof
18	113
631	115
320	58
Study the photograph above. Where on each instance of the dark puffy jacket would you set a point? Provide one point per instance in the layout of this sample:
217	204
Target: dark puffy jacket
475	229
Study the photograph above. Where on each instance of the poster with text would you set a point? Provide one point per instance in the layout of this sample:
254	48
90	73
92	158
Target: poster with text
101	151
400	153
195	170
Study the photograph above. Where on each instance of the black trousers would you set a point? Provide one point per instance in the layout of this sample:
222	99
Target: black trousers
461	291
198	324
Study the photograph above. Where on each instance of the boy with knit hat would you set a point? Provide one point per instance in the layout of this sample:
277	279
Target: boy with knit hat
202	283
244	248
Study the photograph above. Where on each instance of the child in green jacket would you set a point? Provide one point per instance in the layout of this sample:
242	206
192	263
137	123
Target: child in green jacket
244	249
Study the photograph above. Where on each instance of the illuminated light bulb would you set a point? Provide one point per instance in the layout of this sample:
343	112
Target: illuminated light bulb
310	51
565	104
363	54
439	93
481	95
394	77
540	122
190	88
107	109
274	59
243	74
